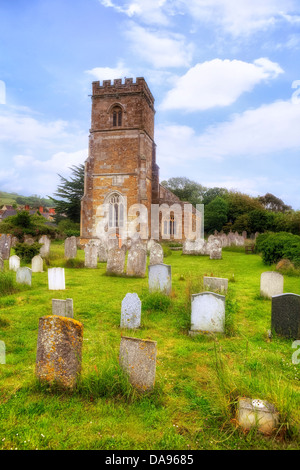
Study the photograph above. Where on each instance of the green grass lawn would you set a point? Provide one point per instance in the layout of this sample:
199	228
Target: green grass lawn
198	379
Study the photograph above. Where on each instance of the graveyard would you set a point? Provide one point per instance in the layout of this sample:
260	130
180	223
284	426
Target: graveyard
199	381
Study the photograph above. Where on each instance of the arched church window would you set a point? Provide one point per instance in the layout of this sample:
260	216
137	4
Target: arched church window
116	211
117	116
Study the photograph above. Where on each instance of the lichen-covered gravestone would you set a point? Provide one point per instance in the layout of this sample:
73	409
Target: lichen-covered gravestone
45	248
285	317
59	351
37	264
70	247
90	255
271	283
116	261
24	276
1	264
208	313
156	254
14	262
63	308
160	278
136	261
257	414
5	245
137	359
219	284
131	311
56	279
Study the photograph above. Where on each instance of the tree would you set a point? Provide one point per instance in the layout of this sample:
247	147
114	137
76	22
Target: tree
273	203
70	193
215	215
239	203
211	193
186	189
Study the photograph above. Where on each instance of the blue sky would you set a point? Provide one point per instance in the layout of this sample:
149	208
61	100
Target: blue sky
225	75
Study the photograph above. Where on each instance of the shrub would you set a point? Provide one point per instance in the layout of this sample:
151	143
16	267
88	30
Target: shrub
277	246
27	252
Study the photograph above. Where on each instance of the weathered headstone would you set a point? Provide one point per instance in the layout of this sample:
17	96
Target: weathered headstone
59	351
285	317
257	414
208	313
24	276
271	283
131	311
156	254
5	245
194	247
116	261
70	247
138	360
90	255
63	308
214	248
1	264
45	248
37	264
160	278
102	252
56	279
136	260
28	239
14	262
219	284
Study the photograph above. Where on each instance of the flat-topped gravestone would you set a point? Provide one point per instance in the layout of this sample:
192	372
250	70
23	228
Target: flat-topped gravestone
208	313
45	248
285	317
137	359
59	351
271	283
136	261
14	262
90	255
5	245
70	247
257	414
56	279
63	308
160	278
116	261
37	264
131	311
24	276
194	247
156	254
219	284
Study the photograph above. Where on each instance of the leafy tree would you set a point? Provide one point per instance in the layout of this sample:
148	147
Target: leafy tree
215	215
211	193
69	193
185	189
239	203
273	203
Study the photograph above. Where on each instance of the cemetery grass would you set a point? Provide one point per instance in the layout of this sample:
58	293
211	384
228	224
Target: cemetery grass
198	379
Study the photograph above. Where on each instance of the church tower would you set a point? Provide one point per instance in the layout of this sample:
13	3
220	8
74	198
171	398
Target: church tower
121	165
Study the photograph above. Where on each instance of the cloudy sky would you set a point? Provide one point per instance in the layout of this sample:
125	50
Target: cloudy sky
225	75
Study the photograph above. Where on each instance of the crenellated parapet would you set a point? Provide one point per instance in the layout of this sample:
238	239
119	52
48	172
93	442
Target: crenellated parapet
119	86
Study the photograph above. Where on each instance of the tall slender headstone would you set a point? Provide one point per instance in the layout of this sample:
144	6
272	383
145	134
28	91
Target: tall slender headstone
14	262
70	247
24	276
37	264
131	311
136	261
208	313
5	245
45	248
90	255
116	261
160	278
56	279
1	263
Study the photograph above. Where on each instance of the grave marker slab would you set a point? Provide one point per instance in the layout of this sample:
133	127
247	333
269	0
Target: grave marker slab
56	279
90	255
37	264
208	313
215	284
116	261
14	262
131	311
136	261
24	276
5	245
257	414
160	278
156	254
271	283
70	247
63	308
285	316
45	248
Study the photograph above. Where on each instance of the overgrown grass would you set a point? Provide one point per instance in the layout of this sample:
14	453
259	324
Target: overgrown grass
198	379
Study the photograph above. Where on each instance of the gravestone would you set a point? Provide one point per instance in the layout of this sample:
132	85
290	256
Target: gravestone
70	247
194	247
63	308
14	262
37	264
136	260
102	252
156	254
45	248
131	311
90	255
1	264
137	359
28	240
24	276
160	278
59	351
285	316
5	245
271	283
214	248
208	313
56	279
257	414
116	261
215	284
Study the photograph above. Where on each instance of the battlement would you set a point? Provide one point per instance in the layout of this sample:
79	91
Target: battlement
122	86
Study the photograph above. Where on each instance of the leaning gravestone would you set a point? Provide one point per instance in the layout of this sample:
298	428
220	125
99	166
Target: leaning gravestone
271	283
215	284
137	359
131	311
70	247
5	245
208	313
59	351
136	260
156	254
14	262
285	317
90	255
24	276
160	278
45	248
116	261
56	279
37	264
63	308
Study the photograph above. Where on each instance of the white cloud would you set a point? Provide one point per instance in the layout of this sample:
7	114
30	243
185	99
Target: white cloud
160	49
149	11
110	73
218	83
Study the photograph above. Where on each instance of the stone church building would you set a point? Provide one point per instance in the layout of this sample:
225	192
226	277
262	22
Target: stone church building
121	168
